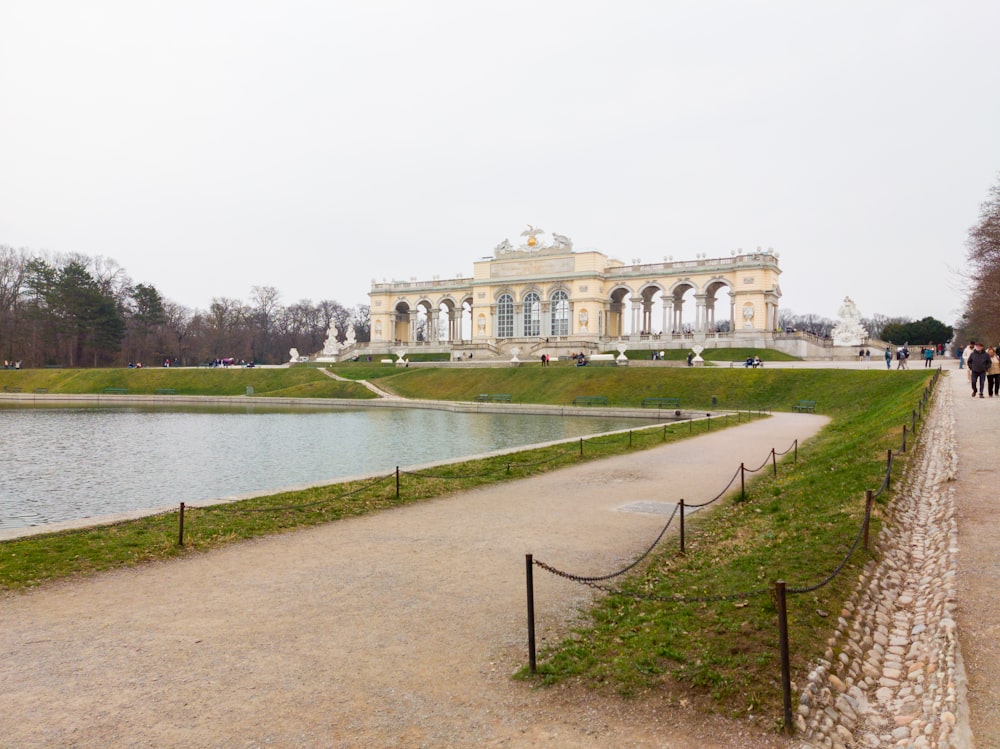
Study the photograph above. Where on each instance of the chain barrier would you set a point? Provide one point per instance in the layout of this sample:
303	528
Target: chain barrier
761	466
675	598
592	580
717	496
780	587
505	469
843	562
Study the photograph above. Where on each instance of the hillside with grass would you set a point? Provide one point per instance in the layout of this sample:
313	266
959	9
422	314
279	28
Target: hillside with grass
732	389
718	652
294	382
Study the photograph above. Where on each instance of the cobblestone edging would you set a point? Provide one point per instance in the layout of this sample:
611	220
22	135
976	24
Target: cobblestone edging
891	675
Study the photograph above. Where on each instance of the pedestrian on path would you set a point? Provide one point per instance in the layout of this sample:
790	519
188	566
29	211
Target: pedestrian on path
902	354
993	374
929	356
888	358
964	356
979	365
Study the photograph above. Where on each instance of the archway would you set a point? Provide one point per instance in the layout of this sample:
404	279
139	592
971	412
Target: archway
401	323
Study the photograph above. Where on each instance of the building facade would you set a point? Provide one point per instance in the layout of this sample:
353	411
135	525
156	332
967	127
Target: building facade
548	295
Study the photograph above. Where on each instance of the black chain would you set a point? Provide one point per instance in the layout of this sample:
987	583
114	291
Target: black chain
596	578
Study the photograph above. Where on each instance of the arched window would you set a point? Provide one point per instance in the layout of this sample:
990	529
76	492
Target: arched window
505	316
532	314
560	313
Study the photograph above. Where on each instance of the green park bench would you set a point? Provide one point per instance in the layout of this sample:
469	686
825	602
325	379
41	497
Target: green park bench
116	391
8	389
590	400
803	406
661	402
166	391
41	390
493	398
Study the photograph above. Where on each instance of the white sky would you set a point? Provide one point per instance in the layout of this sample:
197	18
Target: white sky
211	146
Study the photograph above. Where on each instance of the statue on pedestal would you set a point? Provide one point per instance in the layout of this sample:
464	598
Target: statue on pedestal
330	346
848	330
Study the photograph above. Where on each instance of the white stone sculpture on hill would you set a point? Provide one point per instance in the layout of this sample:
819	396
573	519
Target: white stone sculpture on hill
848	330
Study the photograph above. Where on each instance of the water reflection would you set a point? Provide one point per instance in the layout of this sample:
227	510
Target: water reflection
68	463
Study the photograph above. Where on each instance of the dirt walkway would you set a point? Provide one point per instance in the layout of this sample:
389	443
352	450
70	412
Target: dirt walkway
977	499
398	629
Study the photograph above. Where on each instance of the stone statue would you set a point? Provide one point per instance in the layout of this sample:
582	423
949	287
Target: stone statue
531	232
330	345
848	330
562	242
351	337
503	248
293	355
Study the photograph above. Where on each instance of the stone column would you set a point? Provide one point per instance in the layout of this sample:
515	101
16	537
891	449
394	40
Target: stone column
678	315
699	301
433	323
412	335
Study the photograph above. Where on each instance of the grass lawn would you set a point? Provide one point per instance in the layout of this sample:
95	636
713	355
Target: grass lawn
719	652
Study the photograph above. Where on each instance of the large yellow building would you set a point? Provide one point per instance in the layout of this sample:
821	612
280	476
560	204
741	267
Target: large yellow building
548	296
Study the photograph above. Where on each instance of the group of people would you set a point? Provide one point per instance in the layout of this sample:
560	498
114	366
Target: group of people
753	361
984	368
11	364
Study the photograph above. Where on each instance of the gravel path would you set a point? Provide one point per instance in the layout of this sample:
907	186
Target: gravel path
977	501
399	629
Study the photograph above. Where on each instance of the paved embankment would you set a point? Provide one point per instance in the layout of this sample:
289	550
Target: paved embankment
892	675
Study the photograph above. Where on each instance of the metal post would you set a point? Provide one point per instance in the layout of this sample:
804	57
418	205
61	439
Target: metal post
796	455
904	439
180	526
397	482
786	669
888	470
681	505
868	514
913	421
743	482
708	421
530	580
774	461
581	447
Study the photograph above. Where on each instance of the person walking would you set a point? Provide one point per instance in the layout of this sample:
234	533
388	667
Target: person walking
929	356
979	365
902	353
964	356
888	358
993	374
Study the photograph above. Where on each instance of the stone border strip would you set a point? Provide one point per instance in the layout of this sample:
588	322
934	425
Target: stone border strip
891	674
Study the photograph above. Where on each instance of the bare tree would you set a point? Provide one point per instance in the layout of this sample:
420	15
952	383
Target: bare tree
982	314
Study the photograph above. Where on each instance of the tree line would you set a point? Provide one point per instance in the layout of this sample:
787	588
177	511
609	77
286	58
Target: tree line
896	330
981	317
76	311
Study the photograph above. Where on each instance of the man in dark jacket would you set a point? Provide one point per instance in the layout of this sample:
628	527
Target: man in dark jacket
979	363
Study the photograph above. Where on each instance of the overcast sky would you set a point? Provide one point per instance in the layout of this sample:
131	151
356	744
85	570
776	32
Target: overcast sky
212	146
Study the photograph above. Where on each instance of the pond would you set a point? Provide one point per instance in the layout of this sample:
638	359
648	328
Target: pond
61	464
